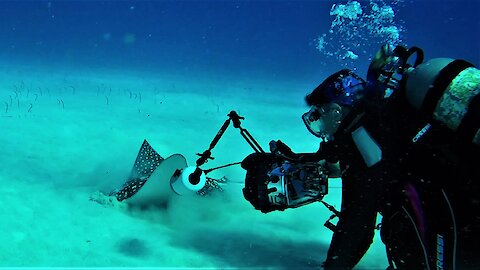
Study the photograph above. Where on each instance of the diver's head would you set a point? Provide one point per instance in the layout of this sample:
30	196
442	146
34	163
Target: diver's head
331	101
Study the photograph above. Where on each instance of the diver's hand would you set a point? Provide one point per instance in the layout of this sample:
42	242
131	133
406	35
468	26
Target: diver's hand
281	149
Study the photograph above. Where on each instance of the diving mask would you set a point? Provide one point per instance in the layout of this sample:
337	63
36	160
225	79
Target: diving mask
323	121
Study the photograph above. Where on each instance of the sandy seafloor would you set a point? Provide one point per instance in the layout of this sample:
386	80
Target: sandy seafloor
67	133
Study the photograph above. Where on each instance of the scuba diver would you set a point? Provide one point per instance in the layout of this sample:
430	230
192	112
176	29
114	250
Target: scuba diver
354	133
406	141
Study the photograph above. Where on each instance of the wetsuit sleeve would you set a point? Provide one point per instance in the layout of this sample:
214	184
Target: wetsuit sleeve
355	228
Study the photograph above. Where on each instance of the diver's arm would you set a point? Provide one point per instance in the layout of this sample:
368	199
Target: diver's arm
355	228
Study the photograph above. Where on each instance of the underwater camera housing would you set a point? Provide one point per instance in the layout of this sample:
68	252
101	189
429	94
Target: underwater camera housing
273	183
277	180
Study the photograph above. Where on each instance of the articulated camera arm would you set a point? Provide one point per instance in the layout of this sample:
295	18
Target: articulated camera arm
207	154
235	118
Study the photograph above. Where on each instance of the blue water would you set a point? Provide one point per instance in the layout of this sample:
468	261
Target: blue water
269	39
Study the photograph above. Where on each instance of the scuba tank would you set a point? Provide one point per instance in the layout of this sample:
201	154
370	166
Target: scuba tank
443	90
447	91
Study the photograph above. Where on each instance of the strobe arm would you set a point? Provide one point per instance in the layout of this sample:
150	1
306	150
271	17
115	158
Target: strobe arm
235	118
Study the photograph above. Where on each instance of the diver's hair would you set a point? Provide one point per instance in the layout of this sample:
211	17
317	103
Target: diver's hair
329	91
319	95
